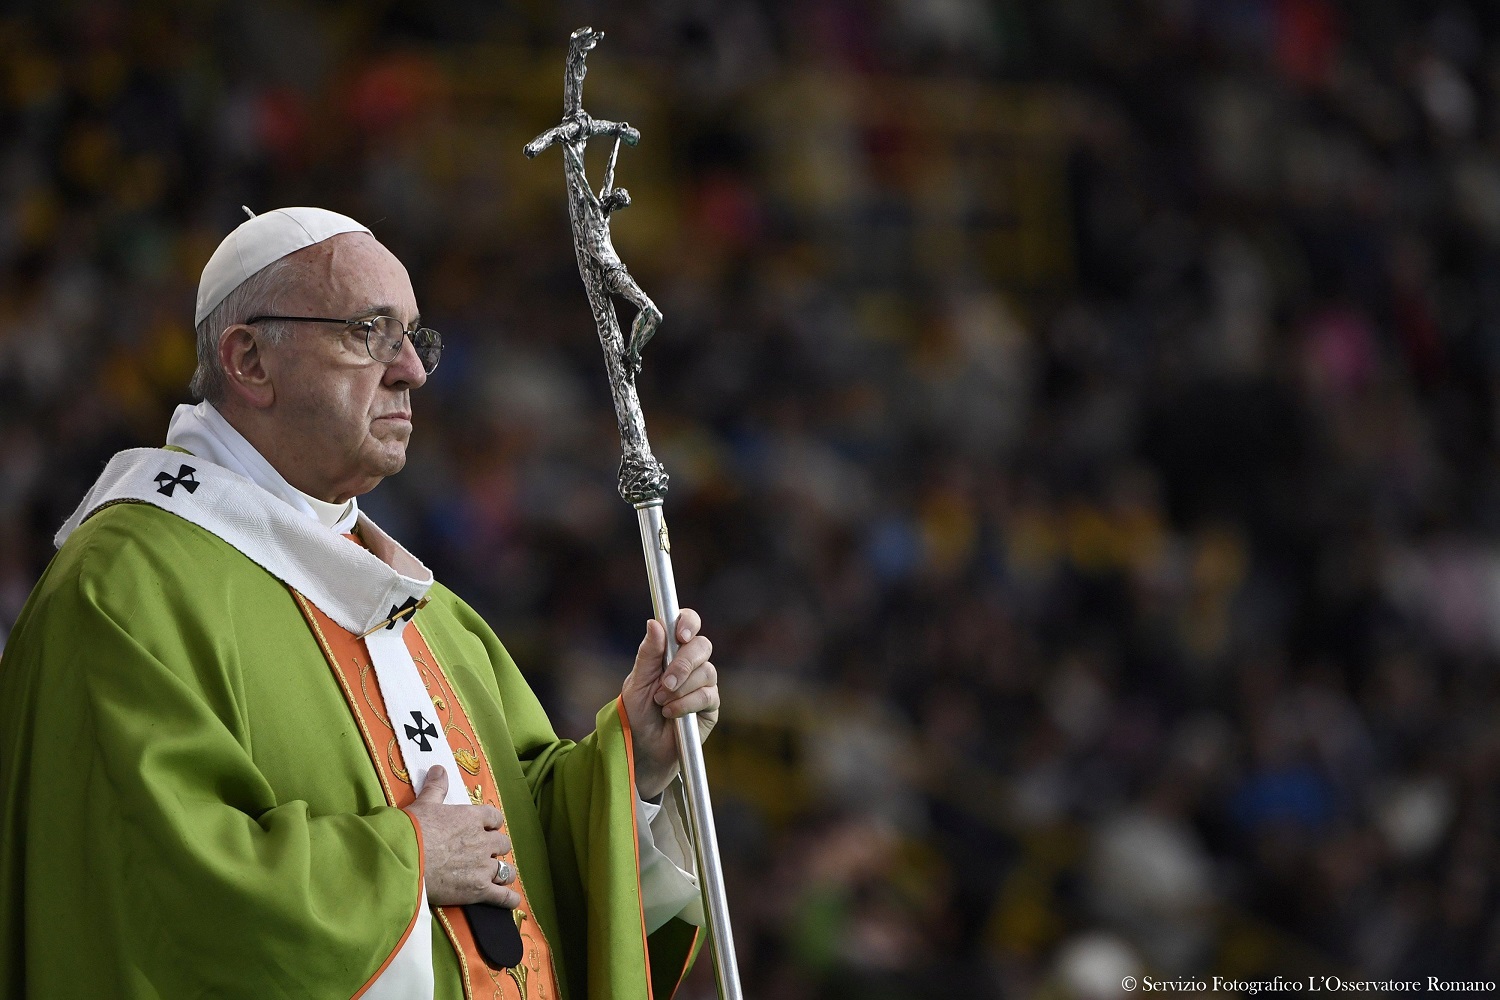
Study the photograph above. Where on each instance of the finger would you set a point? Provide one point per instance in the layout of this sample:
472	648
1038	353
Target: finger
688	658
704	675
502	896
688	624
505	872
434	786
692	653
702	700
653	649
491	817
497	844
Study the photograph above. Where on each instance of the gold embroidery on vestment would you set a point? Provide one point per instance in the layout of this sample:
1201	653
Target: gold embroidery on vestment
432	680
364	672
425	669
466	760
466	756
476	795
497	990
520	972
390	757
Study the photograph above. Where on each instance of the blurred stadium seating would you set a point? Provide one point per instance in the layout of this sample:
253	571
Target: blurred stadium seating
1082	417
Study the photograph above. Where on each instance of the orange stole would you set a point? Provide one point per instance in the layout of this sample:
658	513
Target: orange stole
350	660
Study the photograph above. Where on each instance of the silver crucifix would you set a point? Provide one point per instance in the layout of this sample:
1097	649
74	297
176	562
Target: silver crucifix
643	481
641	476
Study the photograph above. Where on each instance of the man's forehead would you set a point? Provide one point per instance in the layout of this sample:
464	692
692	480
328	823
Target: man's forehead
355	273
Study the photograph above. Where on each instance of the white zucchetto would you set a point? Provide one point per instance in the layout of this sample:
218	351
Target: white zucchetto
261	240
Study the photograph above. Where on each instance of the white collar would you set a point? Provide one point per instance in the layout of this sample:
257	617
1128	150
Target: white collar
338	516
203	431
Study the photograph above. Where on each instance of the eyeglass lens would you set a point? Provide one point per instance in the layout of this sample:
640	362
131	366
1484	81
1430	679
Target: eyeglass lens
386	334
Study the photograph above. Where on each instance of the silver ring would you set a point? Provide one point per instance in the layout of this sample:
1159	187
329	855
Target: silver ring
504	872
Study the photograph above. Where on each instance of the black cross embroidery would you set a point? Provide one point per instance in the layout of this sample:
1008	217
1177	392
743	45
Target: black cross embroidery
421	732
166	482
403	613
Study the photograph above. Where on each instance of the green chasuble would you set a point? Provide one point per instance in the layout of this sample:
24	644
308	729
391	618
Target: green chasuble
187	808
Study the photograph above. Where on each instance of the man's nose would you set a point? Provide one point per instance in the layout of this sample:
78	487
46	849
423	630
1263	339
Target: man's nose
406	369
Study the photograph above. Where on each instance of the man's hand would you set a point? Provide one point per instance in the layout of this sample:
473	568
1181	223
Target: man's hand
654	697
459	846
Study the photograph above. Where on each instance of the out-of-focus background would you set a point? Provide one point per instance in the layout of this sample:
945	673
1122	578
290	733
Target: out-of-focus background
1082	417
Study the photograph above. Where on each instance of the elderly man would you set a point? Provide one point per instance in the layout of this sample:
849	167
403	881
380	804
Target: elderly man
249	748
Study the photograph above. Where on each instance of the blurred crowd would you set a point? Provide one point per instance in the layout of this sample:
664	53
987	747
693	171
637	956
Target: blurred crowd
1082	418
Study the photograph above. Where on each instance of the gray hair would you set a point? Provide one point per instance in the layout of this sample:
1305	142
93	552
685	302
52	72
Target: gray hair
262	292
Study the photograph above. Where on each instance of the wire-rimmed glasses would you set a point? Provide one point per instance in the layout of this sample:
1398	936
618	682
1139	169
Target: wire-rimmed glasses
383	337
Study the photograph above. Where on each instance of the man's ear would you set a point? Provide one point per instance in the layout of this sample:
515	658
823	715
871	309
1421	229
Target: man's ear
245	376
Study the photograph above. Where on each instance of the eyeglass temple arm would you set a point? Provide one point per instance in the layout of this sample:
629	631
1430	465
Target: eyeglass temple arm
303	319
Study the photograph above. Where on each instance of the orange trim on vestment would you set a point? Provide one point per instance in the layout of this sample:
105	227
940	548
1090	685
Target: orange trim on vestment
636	835
349	658
635	829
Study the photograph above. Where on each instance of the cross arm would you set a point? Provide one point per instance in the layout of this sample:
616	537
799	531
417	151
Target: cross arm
581	129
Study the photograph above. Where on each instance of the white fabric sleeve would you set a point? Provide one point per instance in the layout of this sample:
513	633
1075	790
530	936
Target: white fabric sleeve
669	887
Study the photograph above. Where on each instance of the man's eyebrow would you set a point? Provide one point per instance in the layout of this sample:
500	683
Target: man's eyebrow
384	310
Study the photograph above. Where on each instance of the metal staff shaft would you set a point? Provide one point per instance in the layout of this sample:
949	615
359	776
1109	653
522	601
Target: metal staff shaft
658	552
643	481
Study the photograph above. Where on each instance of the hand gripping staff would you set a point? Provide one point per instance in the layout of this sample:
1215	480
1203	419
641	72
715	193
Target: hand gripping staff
643	481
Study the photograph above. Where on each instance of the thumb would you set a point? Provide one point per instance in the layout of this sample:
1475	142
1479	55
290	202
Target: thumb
648	659
434	786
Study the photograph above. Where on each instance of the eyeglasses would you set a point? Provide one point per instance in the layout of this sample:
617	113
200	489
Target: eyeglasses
383	337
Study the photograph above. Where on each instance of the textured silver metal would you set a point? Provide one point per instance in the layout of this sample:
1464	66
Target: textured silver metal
604	274
643	481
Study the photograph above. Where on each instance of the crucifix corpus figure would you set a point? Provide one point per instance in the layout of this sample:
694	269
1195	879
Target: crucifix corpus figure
590	212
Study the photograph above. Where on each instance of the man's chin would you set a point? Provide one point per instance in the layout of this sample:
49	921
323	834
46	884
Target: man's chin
390	462
386	460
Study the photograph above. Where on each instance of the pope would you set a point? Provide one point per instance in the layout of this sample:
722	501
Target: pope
250	748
